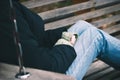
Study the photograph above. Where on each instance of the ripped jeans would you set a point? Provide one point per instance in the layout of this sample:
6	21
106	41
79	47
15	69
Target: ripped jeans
92	43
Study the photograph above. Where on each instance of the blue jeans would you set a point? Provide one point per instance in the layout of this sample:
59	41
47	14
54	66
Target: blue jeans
92	43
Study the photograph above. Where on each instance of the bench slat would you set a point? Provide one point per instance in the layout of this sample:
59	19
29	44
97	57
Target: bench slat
89	15
74	8
106	21
96	67
8	72
37	3
112	29
118	36
110	76
99	74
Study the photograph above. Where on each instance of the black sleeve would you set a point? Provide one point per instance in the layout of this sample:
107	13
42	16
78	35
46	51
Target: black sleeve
57	58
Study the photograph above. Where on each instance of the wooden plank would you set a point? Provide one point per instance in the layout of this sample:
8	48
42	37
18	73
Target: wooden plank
112	29
74	8
65	10
99	74
110	76
96	67
118	36
107	21
8	72
89	15
37	3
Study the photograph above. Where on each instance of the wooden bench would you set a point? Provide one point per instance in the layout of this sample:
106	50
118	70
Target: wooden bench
8	72
104	14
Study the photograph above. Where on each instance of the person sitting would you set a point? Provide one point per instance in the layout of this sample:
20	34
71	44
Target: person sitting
57	50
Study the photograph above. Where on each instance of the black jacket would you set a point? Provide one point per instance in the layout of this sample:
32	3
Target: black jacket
37	44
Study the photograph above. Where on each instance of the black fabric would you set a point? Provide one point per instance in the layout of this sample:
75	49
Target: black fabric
37	44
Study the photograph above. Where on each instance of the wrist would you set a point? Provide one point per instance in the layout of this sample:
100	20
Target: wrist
63	42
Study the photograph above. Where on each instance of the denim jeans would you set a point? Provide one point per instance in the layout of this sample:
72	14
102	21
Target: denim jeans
92	43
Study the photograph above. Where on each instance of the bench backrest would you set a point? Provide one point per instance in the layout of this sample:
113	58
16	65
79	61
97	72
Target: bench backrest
101	13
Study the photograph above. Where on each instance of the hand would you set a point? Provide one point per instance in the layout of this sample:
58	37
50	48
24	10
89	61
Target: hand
73	40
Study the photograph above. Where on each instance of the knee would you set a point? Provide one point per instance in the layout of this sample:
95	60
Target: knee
93	30
85	23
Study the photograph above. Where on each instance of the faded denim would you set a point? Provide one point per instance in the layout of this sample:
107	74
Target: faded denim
92	43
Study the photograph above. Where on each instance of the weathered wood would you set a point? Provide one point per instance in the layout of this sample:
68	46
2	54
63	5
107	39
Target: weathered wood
77	2
89	15
112	29
99	74
110	76
107	21
96	67
65	10
8	72
73	8
118	36
37	3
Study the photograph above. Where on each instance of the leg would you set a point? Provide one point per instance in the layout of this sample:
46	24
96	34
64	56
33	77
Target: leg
89	45
79	27
111	53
